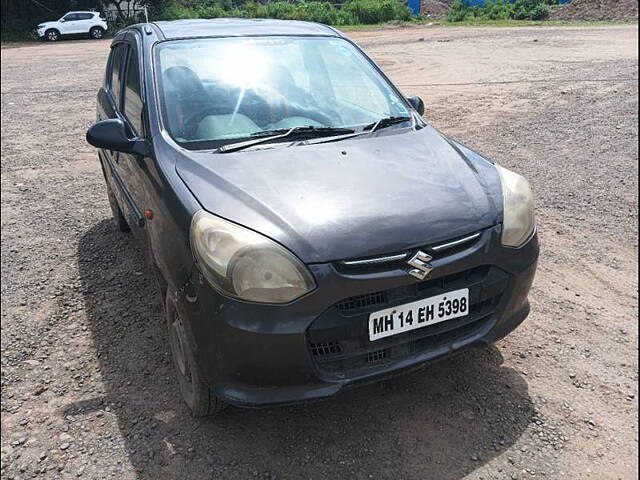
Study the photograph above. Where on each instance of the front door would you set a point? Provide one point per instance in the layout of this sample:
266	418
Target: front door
111	103
132	168
128	174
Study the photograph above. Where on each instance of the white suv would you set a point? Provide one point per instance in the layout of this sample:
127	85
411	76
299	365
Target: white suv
74	23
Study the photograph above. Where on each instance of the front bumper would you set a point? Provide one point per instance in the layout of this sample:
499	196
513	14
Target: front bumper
259	355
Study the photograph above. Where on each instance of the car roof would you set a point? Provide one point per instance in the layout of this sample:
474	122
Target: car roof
223	27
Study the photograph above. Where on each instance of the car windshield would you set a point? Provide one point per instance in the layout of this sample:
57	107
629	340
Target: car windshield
217	91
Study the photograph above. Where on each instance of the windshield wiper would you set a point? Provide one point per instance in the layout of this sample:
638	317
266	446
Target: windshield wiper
283	133
384	123
367	129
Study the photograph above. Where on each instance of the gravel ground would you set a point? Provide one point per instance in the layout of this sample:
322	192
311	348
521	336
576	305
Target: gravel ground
87	387
596	10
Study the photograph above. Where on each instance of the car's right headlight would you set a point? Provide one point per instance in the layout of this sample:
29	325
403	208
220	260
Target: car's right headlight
518	210
244	264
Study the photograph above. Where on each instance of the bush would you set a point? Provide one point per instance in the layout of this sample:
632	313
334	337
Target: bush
348	12
18	30
280	10
117	25
501	10
314	11
530	10
458	12
175	12
321	11
375	11
497	11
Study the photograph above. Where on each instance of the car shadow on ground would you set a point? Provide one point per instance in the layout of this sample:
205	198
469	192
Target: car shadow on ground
441	422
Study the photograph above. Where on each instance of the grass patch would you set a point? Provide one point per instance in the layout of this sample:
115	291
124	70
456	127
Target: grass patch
487	23
501	10
536	23
8	35
351	12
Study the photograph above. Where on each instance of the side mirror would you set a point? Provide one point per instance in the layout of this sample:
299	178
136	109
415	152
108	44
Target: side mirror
111	134
417	103
62	20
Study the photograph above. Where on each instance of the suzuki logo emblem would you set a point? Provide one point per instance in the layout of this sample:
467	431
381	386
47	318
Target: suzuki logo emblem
421	266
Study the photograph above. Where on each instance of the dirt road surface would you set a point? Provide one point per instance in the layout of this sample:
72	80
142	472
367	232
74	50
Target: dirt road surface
87	387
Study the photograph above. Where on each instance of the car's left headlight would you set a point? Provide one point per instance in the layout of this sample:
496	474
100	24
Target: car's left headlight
244	264
518	211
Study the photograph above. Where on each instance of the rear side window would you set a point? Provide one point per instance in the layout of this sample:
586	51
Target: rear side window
132	97
84	16
117	60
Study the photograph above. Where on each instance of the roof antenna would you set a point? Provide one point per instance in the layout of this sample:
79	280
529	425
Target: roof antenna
147	28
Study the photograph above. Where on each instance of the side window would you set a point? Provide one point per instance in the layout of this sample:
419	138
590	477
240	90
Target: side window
115	86
132	96
71	17
84	16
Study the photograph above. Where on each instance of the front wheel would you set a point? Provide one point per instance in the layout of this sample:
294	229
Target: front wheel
118	216
52	35
201	400
96	33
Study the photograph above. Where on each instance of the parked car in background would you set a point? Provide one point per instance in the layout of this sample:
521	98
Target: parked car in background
74	24
309	231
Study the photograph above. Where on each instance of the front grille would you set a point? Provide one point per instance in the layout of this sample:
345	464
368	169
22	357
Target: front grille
377	356
325	348
398	260
339	339
361	303
346	268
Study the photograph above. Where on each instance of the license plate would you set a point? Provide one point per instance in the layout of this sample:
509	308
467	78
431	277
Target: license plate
418	314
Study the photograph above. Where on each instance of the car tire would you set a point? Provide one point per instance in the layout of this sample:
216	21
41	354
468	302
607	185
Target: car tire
52	35
96	33
118	216
201	400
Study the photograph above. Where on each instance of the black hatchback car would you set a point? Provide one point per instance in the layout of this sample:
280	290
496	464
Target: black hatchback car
308	229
